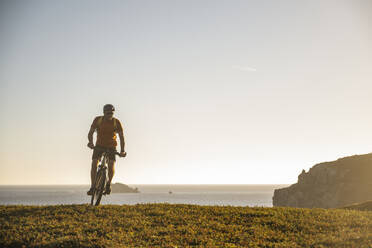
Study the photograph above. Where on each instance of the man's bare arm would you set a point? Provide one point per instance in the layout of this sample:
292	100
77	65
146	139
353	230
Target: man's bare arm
90	135
122	143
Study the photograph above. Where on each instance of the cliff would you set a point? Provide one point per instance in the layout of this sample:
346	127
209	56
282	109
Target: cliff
122	188
333	184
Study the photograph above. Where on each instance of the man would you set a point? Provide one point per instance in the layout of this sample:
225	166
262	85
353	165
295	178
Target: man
107	126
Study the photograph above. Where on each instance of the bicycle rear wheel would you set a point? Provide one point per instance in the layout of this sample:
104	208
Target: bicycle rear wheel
98	188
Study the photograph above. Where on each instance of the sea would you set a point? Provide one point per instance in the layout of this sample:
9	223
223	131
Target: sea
207	195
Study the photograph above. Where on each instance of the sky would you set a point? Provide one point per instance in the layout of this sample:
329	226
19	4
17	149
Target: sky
208	92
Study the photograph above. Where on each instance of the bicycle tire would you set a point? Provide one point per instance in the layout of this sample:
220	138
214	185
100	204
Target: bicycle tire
94	189
100	187
92	197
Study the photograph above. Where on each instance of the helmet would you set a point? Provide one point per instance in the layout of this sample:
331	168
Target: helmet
108	107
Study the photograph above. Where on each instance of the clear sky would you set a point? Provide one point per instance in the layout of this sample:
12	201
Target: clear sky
215	92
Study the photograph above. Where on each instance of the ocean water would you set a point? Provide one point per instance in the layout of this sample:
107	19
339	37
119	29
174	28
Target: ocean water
221	195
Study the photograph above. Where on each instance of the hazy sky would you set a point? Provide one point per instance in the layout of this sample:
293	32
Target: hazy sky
214	92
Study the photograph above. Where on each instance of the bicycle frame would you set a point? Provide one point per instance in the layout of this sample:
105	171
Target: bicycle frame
103	166
104	162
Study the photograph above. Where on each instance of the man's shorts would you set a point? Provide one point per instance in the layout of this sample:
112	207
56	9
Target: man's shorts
97	154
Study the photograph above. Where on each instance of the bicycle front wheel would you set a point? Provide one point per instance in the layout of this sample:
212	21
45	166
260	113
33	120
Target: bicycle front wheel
98	188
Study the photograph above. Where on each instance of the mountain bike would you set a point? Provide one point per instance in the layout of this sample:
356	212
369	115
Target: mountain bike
99	185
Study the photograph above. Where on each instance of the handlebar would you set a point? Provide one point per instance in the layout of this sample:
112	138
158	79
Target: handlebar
108	150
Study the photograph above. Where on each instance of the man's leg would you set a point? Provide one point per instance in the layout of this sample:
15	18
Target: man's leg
111	170
93	171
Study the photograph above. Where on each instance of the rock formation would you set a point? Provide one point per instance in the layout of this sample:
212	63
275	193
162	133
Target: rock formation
333	184
122	188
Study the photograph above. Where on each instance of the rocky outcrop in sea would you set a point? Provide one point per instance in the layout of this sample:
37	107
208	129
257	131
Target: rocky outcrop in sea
333	184
123	188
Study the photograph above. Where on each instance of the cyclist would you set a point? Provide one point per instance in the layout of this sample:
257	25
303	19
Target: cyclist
107	126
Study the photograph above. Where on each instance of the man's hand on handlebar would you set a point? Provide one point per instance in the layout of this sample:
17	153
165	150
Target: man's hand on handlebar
122	154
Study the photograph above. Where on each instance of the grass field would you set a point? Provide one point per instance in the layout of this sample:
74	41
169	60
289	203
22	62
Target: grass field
168	225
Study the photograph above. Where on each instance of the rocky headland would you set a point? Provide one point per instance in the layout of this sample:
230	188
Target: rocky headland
333	184
122	188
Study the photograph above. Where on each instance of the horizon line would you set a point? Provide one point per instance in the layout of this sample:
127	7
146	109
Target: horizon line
191	184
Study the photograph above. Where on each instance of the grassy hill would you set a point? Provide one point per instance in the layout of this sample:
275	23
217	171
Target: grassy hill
168	225
364	206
